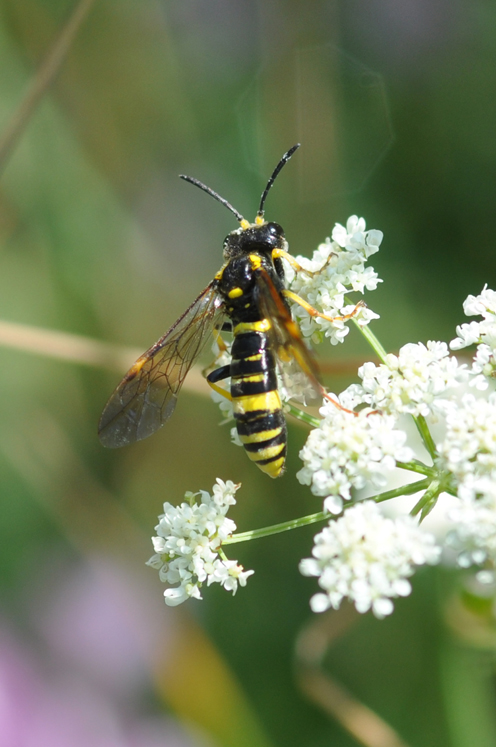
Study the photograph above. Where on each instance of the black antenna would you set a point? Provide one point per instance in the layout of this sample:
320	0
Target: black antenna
276	171
213	194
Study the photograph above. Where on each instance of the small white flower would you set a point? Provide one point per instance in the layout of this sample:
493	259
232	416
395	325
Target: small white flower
483	367
188	539
367	559
340	267
482	305
468	334
229	574
482	334
347	451
225	406
420	380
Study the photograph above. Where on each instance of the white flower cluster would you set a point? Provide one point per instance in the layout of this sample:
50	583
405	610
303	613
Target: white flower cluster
482	334
339	264
188	541
468	452
367	558
474	536
348	451
420	380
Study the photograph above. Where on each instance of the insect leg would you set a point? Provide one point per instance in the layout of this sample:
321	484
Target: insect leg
313	312
219	375
282	254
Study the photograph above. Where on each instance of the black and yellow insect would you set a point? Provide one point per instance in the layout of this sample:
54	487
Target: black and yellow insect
249	297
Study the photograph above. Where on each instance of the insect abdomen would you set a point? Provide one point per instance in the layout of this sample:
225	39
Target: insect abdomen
256	402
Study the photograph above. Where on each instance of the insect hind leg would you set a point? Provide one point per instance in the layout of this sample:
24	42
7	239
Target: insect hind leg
220	374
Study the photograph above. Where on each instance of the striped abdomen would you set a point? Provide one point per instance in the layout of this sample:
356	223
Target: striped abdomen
256	402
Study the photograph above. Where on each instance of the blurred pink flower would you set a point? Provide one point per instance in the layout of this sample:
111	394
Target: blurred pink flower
84	688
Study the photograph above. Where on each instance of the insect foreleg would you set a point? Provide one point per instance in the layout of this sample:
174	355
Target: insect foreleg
282	254
313	312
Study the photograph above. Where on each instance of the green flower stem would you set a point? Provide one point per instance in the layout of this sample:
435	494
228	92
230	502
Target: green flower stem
425	434
222	554
409	489
416	466
301	415
277	528
372	340
428	500
413	487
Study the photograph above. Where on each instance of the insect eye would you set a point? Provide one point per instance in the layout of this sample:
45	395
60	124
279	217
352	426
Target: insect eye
275	229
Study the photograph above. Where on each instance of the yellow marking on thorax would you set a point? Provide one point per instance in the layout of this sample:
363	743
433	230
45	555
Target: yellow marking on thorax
263	325
221	272
255	260
267	401
235	293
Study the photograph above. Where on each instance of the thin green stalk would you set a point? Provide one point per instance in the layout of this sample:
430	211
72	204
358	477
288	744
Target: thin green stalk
413	487
417	466
277	528
428	500
305	417
372	340
425	434
409	489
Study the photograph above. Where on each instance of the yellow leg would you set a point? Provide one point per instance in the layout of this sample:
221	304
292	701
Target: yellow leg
282	254
313	312
220	390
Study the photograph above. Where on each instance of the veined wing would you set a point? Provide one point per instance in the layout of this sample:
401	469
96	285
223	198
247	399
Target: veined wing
146	397
295	361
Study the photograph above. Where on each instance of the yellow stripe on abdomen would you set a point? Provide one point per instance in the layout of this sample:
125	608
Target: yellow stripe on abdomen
268	402
269	452
255	438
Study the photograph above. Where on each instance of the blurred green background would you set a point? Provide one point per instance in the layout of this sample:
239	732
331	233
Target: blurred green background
395	107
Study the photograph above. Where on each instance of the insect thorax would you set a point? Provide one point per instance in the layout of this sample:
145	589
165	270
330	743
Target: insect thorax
261	239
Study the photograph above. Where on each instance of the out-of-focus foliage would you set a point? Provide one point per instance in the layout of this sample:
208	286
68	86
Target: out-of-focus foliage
395	106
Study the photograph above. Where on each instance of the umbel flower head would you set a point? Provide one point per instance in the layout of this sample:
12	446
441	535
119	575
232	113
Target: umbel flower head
350	450
188	542
417	381
367	558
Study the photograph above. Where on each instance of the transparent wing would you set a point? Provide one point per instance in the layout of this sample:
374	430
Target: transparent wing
296	363
146	397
